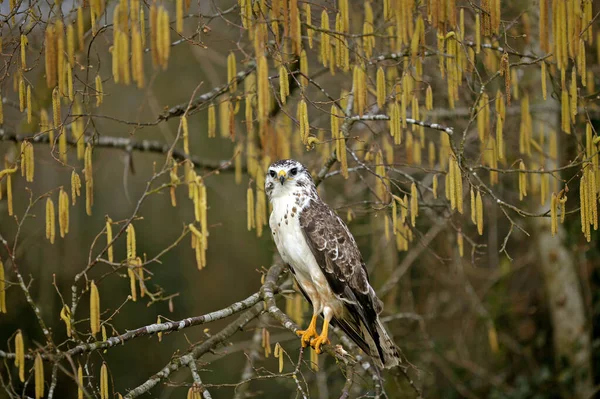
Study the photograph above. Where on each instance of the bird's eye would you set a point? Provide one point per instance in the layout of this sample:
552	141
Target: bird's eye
293	171
272	173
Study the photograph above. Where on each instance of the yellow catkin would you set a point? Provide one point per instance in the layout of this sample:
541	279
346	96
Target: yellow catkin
414	204
381	95
99	91
325	48
231	72
80	28
63	212
573	94
22	95
79	382
27	161
302	115
250	208
309	31
109	238
261	208
565	112
65	315
50	55
132	284
429	98
75	187
137	57
522	181
458	188
71	44
20	355
224	117
94	309
212	124
179	16
473	207
131	243
24	43
2	289
460	244
56	118
60	55
104	394
89	179
186	134
62	144
479	209
543	75
483	118
284	85
9	196
38	367
303	69
50	221
553	213
263	97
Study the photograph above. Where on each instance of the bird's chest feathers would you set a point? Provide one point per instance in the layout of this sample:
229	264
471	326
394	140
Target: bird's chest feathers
290	240
286	230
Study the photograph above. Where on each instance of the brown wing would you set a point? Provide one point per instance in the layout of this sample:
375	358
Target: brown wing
337	254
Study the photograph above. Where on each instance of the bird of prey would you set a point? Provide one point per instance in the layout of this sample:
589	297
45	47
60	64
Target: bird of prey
326	263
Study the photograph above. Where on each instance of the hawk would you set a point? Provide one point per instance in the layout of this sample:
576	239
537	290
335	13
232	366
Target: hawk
326	263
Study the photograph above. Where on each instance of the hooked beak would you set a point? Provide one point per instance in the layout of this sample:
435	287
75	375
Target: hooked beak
282	176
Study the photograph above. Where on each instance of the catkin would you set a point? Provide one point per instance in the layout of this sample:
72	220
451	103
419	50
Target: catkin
522	181
63	212
50	221
20	355
131	243
250	209
109	239
79	382
94	309
104	394
75	187
50	55
89	180
381	95
414	204
479	209
212	124
38	367
179	16
231	72
284	85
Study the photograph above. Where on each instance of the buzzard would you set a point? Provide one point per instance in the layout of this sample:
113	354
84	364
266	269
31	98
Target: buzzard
326	263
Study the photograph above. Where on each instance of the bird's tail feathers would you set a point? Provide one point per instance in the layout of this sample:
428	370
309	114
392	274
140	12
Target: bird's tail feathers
384	352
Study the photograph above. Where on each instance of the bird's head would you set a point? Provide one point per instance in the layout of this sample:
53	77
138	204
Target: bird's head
285	177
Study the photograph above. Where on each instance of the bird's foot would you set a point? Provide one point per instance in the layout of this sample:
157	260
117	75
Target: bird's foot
318	342
306	336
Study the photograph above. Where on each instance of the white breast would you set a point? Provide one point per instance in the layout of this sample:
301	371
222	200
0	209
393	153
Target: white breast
294	250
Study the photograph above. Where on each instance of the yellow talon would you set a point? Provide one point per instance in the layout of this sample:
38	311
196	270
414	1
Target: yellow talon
321	339
318	342
307	335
